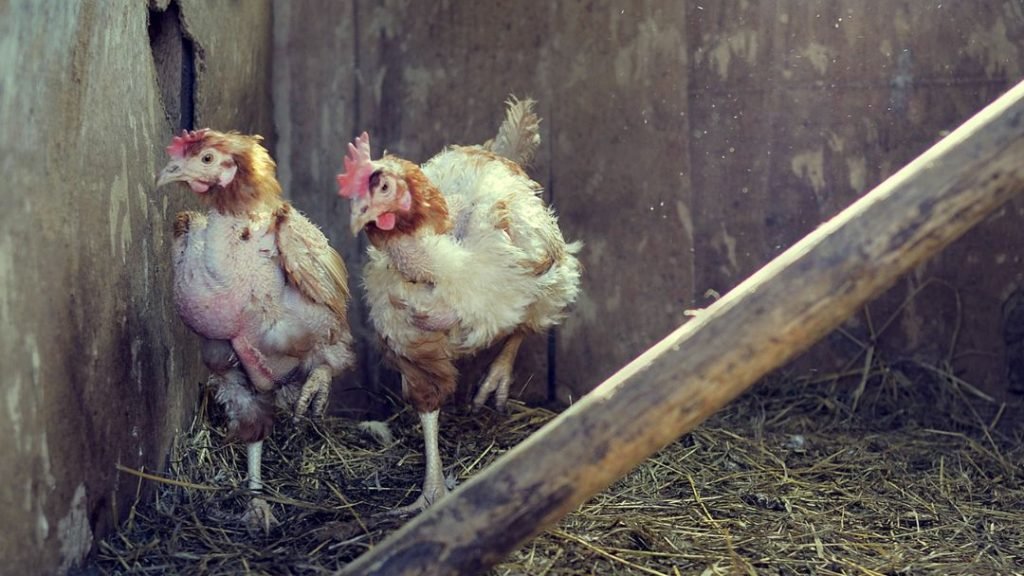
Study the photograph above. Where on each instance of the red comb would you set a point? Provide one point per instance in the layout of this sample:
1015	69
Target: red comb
180	144
355	180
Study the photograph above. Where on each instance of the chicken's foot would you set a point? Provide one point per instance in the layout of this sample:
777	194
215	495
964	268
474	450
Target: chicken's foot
499	377
258	515
315	393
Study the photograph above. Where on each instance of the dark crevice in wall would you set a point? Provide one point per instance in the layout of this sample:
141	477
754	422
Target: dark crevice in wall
372	368
188	84
1013	338
549	144
173	54
357	85
552	355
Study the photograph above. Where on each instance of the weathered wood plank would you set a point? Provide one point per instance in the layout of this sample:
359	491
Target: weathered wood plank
798	107
315	111
97	366
768	319
621	172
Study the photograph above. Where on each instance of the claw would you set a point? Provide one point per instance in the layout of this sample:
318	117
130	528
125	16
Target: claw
258	517
315	392
427	498
497	383
499	377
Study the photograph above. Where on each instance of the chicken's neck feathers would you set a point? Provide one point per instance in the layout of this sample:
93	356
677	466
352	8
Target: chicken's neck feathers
255	188
412	256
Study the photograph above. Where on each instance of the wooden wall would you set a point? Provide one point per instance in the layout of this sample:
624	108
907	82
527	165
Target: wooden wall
686	143
798	108
97	368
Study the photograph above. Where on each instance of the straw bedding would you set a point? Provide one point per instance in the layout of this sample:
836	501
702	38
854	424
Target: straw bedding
906	470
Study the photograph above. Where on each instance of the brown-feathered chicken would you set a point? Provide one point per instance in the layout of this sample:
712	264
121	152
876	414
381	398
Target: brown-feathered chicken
464	254
262	287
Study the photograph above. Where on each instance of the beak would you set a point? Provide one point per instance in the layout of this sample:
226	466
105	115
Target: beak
361	214
173	172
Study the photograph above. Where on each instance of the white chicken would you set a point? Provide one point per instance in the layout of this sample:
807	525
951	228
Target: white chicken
464	254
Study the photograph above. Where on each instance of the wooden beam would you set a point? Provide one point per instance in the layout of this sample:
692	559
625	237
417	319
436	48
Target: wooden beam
767	320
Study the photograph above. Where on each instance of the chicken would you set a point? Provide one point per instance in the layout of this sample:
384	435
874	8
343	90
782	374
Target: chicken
463	254
262	287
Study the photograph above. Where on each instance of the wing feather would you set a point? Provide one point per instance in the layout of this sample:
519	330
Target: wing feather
311	264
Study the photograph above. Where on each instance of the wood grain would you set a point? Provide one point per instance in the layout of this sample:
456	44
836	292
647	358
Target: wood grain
799	107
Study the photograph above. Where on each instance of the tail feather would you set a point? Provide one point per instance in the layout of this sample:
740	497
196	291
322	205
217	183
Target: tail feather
519	135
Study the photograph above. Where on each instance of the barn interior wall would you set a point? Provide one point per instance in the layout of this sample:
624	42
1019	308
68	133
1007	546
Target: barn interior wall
799	108
686	143
97	369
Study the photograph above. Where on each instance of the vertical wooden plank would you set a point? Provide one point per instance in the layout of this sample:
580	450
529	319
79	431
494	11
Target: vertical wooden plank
795	109
732	111
954	59
611	82
315	100
97	366
621	179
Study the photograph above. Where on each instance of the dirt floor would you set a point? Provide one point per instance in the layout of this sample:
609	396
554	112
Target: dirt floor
912	472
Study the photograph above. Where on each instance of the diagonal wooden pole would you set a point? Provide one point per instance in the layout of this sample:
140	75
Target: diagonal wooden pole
767	320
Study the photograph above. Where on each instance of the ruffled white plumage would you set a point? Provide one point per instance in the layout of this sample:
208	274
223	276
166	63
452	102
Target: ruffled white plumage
503	266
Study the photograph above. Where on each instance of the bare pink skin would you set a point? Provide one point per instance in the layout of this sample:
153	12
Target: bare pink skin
218	277
221	274
229	283
260	372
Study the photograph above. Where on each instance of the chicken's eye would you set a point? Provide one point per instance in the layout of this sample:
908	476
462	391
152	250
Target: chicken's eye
207	158
384	187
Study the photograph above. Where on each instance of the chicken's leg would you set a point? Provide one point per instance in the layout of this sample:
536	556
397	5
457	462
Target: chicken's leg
255	364
434	486
258	516
499	377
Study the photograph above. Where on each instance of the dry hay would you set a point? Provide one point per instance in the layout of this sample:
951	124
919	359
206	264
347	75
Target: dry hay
787	480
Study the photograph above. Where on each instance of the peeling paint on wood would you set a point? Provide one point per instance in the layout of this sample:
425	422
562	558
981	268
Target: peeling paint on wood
74	532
